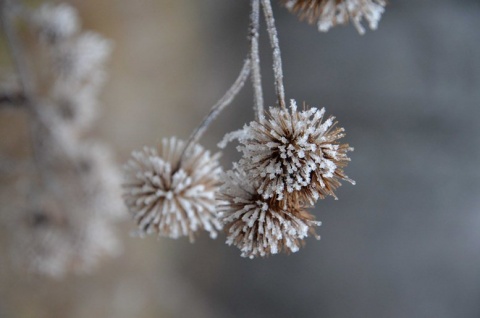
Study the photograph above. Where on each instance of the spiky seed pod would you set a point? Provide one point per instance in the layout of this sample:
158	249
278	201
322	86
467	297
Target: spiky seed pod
293	156
170	197
328	13
260	227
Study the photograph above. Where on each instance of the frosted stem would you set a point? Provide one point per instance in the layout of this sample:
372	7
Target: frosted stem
24	76
218	107
277	59
255	58
16	52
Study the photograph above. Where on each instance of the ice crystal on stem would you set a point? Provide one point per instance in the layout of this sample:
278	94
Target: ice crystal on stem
328	13
259	226
170	196
293	156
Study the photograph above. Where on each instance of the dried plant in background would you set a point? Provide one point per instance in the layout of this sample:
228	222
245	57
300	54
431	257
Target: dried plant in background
328	13
70	199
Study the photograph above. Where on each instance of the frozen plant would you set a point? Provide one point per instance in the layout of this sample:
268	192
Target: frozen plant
290	158
66	210
259	226
293	156
171	195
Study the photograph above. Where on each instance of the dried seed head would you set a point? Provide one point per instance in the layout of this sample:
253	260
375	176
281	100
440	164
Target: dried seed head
58	231
101	179
260	227
82	58
173	201
328	13
76	108
293	156
55	22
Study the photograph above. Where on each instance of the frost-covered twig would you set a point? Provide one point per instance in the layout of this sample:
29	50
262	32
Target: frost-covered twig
255	58
277	59
218	107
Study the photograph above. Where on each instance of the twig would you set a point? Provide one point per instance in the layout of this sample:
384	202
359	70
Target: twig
39	127
24	77
11	99
16	52
277	59
255	58
217	108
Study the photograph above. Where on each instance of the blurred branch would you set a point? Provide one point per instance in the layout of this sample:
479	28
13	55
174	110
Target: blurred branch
12	99
218	107
25	79
16	52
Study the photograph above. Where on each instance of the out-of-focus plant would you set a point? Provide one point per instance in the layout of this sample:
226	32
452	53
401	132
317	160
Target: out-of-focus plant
62	217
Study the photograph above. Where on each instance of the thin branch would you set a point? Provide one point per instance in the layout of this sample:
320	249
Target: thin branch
218	107
24	77
255	58
16	52
39	127
277	59
11	99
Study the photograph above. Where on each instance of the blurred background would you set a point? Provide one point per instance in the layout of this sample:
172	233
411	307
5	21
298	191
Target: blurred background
403	242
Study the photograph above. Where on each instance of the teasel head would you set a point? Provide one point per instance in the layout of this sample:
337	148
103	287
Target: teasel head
329	13
258	226
294	156
171	196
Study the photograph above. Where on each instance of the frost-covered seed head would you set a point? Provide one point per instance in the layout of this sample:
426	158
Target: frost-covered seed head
75	108
101	179
59	231
82	58
328	13
55	22
260	227
293	156
170	197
